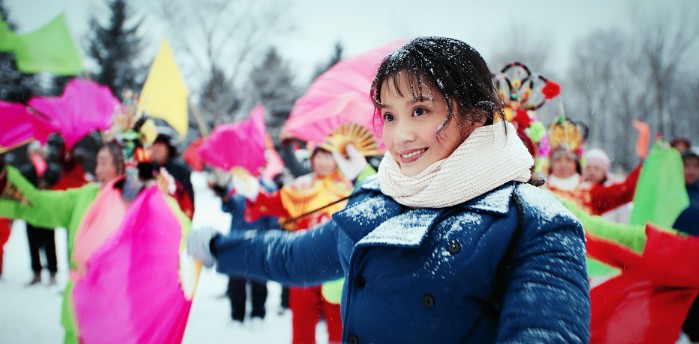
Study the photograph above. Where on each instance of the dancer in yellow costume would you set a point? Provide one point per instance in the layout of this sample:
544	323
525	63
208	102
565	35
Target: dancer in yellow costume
309	201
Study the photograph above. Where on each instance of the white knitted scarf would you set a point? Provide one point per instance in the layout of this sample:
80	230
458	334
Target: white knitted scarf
487	159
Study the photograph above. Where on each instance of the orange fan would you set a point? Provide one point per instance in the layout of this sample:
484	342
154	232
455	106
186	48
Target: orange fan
355	134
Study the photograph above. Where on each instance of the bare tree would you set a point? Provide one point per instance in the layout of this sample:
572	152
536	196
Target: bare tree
218	39
528	48
666	36
618	76
684	107
523	46
606	91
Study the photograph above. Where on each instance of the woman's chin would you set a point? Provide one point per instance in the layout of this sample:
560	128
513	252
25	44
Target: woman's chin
411	171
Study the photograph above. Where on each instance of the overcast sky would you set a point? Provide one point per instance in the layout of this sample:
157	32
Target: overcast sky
364	24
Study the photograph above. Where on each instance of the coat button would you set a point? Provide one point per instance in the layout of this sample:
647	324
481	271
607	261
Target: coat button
353	339
428	301
454	247
359	282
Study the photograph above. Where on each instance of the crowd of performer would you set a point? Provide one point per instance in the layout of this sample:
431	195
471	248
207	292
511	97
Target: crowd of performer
473	227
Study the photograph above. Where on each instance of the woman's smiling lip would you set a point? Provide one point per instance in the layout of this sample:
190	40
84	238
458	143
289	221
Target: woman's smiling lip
410	155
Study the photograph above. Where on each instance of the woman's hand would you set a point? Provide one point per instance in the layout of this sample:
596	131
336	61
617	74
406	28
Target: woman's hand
642	143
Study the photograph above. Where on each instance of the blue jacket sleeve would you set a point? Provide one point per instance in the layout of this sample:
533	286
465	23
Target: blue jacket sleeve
234	205
546	296
300	258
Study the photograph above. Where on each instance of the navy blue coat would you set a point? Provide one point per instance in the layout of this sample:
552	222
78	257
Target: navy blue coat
478	272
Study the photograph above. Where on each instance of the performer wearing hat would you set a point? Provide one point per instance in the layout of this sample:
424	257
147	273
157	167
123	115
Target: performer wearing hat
164	154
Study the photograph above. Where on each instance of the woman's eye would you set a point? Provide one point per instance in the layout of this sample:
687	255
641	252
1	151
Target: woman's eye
387	117
419	112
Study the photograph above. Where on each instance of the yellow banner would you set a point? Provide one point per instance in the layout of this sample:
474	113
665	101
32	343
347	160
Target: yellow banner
164	94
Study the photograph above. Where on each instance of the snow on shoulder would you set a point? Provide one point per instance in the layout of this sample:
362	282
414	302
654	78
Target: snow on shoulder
543	205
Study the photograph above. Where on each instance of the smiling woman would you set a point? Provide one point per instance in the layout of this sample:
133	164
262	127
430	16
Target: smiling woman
413	126
423	117
448	244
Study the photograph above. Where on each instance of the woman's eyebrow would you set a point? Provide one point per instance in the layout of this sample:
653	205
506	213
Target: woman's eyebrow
421	99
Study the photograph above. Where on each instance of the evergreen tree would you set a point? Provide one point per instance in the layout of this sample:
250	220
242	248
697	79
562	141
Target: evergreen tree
116	47
15	86
272	84
218	100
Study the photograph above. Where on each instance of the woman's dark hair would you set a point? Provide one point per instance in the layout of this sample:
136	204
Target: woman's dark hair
317	150
680	141
448	65
114	149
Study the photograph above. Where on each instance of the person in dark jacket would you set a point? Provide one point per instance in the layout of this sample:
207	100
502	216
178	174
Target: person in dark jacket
690	161
164	154
43	174
688	222
235	204
448	243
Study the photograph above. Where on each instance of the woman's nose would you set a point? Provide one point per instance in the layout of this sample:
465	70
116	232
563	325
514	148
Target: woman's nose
405	131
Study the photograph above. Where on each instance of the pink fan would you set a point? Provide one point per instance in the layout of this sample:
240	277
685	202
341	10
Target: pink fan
132	292
337	96
84	106
19	126
238	144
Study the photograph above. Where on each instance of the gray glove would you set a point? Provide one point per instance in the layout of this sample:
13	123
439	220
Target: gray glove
198	245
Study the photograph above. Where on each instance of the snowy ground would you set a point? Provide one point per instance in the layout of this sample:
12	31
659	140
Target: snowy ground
32	314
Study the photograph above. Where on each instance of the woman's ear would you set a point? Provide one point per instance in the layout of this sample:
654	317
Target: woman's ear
477	122
484	119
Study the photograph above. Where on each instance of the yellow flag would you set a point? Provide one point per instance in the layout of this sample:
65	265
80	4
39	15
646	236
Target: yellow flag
164	94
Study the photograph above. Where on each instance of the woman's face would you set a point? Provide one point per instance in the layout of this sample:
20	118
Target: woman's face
410	127
594	173
160	153
563	167
106	169
323	163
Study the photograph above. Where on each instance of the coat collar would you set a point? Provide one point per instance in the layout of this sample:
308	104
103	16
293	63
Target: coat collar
378	220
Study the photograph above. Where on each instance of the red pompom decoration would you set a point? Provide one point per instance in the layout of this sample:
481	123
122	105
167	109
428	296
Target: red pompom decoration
551	90
522	119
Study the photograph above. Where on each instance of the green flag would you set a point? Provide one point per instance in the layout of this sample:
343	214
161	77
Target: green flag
48	49
660	194
7	37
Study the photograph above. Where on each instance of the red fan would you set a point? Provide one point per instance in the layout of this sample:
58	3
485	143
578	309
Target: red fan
191	157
